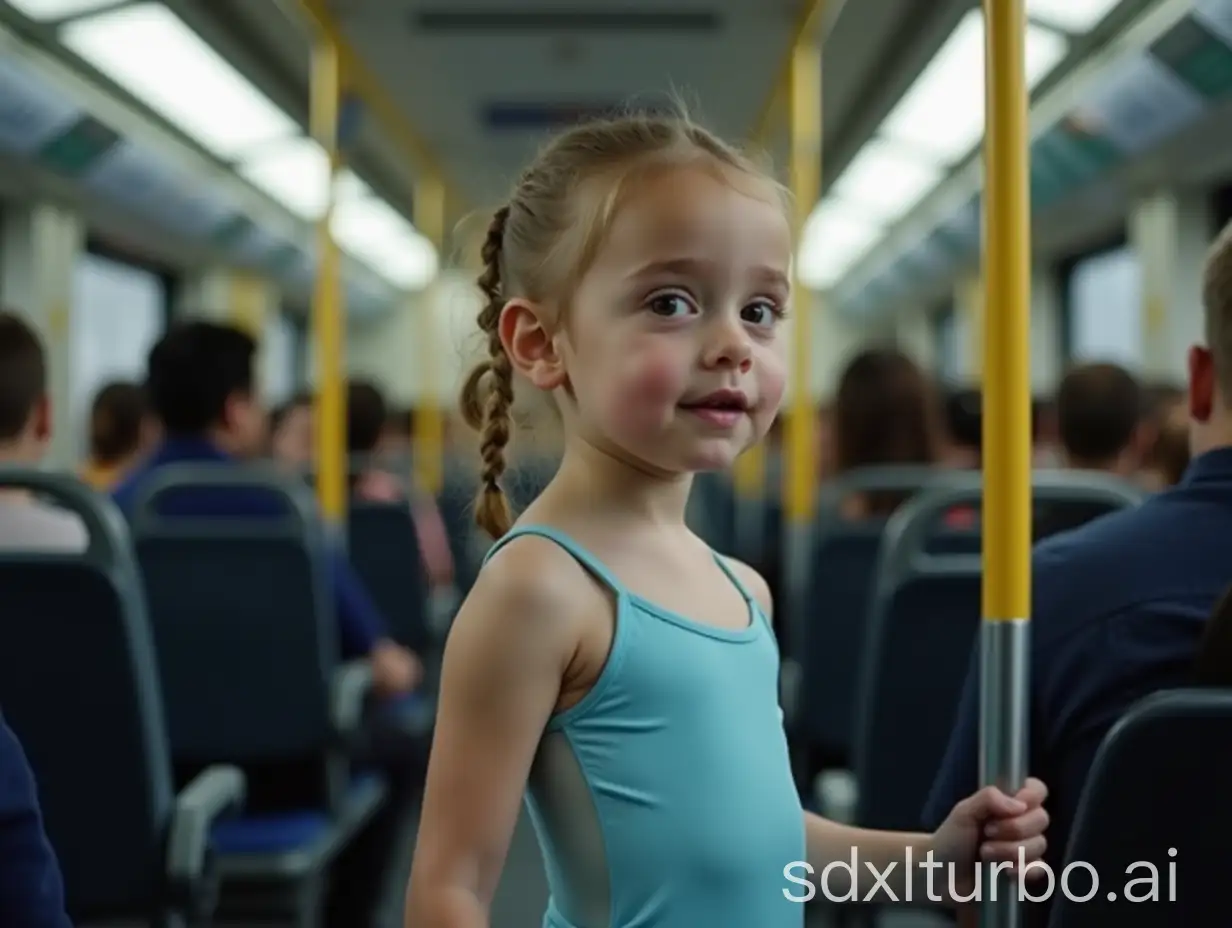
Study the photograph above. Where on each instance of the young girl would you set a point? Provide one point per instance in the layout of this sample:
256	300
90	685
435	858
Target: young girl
607	662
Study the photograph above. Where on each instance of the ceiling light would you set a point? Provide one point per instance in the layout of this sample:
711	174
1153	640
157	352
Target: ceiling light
47	10
885	180
834	239
150	52
943	111
296	174
1074	16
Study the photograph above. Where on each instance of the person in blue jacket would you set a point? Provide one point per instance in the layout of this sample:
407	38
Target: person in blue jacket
31	887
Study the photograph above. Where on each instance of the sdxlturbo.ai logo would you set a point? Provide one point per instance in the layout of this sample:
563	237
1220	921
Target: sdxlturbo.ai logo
1038	883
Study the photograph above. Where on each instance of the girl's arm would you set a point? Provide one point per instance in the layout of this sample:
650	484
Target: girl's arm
988	826
509	650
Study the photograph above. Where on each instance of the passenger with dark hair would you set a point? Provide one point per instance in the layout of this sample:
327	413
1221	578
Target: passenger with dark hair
291	432
25	432
31	886
1120	605
1099	419
885	412
964	429
122	430
202	384
367	420
202	387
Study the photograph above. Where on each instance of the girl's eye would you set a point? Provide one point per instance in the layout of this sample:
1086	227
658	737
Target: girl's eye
760	313
670	305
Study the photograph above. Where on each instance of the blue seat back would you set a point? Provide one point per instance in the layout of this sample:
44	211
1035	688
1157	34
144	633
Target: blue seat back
925	617
79	686
1159	781
831	617
242	611
384	547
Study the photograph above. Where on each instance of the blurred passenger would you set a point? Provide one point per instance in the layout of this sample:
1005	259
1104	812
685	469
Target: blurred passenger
122	431
885	413
964	431
397	435
31	885
202	381
1213	666
1169	454
25	431
292	440
1099	418
1045	436
201	385
367	417
1120	605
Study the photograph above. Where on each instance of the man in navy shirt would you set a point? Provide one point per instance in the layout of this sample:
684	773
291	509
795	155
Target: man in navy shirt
1119	605
31	888
201	384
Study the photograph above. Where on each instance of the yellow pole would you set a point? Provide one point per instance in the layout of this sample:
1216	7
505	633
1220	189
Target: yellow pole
327	309
804	99
1006	418
429	446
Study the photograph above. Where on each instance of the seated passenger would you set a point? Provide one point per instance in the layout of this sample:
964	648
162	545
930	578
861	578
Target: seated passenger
122	430
291	433
964	429
1100	419
885	413
201	385
1119	606
25	431
367	417
1213	666
31	887
1168	456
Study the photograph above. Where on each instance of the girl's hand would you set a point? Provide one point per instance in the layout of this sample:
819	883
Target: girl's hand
991	826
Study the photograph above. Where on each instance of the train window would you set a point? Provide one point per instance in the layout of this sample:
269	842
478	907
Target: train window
278	360
1104	302
118	311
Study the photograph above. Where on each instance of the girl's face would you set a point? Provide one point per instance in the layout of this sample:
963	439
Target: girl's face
672	344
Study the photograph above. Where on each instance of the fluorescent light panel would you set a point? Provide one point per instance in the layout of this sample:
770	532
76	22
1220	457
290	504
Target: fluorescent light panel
46	10
885	180
943	111
834	239
375	233
1075	16
295	173
150	52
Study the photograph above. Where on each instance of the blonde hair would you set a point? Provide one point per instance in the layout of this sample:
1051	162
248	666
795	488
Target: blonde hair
533	249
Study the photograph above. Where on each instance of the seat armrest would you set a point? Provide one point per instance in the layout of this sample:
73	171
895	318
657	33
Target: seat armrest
213	793
348	693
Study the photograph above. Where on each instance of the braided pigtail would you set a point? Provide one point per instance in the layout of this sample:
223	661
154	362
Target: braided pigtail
487	395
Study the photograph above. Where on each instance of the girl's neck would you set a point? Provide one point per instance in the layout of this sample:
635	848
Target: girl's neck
608	484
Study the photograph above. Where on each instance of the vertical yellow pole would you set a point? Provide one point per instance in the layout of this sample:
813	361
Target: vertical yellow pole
804	112
1007	418
429	444
327	310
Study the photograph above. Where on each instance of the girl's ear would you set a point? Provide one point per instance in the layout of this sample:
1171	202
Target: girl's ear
529	344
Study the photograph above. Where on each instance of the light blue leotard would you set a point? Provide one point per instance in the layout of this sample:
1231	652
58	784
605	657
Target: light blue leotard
665	799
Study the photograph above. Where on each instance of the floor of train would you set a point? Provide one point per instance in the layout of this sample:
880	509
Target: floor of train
522	895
